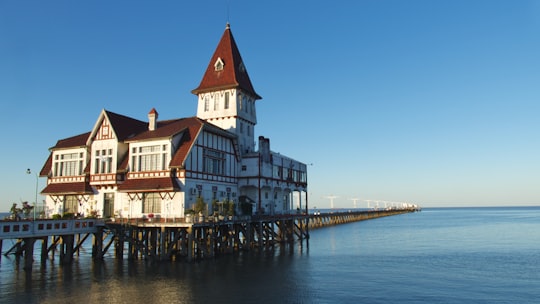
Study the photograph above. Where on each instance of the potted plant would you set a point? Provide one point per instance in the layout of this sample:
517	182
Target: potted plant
231	210
116	215
150	217
200	208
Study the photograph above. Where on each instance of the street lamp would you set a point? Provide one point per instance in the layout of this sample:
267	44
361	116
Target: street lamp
28	171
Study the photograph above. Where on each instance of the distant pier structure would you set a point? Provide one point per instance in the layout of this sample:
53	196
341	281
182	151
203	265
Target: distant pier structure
184	239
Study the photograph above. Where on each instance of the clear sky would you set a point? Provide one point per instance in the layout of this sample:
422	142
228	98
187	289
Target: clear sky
429	102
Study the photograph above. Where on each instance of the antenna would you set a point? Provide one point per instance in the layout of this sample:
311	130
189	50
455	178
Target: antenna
331	197
228	11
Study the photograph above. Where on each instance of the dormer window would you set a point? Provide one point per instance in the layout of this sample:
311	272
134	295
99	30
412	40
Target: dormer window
218	66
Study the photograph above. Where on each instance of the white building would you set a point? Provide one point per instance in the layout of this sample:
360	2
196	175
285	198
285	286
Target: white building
132	168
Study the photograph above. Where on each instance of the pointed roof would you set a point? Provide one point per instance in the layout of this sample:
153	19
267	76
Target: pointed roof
226	69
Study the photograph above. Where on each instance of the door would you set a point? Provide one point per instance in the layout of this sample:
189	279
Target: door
108	205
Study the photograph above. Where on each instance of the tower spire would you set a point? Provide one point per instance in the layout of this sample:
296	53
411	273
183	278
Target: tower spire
226	97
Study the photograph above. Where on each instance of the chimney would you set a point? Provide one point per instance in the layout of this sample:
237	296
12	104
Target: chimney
152	119
264	148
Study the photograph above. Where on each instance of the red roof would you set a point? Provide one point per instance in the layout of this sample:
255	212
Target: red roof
68	188
233	74
168	128
125	127
143	185
47	167
71	142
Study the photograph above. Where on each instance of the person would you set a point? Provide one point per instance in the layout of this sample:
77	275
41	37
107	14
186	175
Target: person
15	212
27	208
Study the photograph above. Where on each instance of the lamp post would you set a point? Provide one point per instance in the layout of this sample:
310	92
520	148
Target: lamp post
28	171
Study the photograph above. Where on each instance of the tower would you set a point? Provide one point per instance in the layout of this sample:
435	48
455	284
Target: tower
226	97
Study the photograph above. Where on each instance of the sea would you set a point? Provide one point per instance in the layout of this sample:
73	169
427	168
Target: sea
438	255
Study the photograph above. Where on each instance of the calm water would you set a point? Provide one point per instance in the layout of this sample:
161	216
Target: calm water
462	255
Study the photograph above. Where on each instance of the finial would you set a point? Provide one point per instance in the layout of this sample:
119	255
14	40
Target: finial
228	26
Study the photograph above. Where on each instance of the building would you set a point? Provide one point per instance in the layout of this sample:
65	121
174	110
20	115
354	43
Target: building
130	168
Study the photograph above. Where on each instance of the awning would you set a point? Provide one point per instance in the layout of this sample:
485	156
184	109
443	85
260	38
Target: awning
149	185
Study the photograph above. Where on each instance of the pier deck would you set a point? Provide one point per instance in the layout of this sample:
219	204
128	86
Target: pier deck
169	239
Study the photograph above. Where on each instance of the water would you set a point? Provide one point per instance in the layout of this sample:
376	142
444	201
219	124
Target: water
455	255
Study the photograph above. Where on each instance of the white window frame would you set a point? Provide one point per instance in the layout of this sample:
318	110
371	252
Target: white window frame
68	163
149	157
103	161
206	103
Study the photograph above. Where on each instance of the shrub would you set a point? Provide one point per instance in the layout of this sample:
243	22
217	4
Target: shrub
68	215
200	206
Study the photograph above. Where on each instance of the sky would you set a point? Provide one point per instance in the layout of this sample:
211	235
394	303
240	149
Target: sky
434	103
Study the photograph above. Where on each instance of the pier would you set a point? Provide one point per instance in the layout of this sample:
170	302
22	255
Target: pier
192	239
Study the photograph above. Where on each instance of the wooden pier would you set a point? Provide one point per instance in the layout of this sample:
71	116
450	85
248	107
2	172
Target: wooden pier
168	239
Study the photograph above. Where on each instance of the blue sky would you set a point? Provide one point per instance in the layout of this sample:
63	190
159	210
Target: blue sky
429	102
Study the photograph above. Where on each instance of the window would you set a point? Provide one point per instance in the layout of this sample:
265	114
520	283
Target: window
151	203
226	100
206	103
218	65
214	161
303	177
108	205
240	105
71	204
103	161
244	167
149	158
215	102
68	164
289	174
277	172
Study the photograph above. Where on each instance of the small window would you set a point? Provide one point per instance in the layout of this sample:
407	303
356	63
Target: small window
244	168
206	103
226	100
218	65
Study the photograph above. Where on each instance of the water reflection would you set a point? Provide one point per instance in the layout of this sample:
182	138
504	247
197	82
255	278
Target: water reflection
265	276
